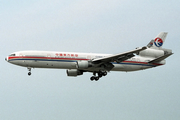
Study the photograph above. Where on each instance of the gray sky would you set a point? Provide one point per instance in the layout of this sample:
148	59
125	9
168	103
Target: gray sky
109	26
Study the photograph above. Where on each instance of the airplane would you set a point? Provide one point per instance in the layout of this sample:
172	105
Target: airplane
141	58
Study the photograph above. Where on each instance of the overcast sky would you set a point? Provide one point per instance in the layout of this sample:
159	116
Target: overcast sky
94	26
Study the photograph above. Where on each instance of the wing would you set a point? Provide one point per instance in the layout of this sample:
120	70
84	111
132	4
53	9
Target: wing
118	57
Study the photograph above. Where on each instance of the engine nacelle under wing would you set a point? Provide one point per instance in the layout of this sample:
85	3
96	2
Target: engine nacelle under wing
74	72
152	53
83	64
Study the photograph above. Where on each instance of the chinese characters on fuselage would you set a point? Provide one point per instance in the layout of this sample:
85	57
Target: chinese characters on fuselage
65	55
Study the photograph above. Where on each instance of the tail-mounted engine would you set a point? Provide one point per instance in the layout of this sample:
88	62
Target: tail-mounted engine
155	52
152	53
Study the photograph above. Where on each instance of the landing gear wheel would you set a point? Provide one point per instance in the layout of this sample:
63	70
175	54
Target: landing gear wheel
104	73
100	74
29	73
92	78
29	69
96	78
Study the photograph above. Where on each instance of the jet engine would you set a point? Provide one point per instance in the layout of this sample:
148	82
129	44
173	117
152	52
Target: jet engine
83	64
74	72
152	53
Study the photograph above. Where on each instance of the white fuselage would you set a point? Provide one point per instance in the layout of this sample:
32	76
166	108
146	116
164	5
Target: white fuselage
68	60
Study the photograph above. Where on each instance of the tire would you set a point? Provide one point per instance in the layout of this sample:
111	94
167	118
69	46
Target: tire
92	78
96	78
104	73
29	73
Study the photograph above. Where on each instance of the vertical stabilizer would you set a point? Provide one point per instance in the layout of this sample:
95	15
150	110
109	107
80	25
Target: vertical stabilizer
158	41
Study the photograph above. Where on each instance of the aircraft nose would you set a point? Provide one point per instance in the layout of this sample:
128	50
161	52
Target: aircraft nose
5	59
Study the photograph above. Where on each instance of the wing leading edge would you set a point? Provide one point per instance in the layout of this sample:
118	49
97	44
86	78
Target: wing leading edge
118	57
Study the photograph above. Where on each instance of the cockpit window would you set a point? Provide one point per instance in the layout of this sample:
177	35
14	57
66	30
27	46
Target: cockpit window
12	55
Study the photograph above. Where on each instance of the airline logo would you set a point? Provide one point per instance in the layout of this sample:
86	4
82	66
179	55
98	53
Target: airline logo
151	44
158	42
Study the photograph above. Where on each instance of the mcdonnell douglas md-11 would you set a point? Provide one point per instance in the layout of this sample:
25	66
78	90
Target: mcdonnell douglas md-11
141	58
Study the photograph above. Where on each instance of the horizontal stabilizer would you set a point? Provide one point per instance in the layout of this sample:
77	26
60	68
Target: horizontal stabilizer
160	58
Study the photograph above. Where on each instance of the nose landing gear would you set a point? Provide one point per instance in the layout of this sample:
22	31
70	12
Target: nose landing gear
29	69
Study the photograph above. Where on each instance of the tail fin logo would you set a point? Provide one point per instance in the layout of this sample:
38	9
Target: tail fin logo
158	42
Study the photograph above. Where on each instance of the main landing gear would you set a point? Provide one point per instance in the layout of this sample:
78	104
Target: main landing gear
29	69
100	74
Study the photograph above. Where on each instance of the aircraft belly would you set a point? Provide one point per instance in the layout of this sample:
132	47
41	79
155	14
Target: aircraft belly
18	62
118	67
132	67
145	67
54	64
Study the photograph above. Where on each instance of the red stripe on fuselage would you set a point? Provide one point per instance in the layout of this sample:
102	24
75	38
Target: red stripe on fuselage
54	58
